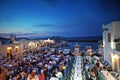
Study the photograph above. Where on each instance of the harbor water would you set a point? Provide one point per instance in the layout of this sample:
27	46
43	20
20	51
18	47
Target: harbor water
94	45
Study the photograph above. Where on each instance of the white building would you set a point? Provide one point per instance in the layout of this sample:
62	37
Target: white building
48	41
10	48
27	45
111	44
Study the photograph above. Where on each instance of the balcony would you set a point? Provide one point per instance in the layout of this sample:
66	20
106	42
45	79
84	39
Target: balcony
118	46
117	41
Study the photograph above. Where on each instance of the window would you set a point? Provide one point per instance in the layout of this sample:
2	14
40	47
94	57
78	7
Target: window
105	29
109	37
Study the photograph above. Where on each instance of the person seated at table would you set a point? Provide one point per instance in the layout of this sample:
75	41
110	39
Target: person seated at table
18	70
33	76
93	76
97	64
59	74
46	73
2	74
63	69
10	76
36	68
109	68
24	75
89	74
30	68
53	73
118	77
42	76
18	77
90	69
11	71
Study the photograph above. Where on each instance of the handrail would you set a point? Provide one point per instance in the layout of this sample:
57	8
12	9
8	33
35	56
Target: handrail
101	76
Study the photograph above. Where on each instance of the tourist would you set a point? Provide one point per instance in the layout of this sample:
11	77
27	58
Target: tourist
53	73
24	75
10	76
46	73
97	64
27	69
64	69
93	76
30	68
118	77
18	70
59	74
33	76
42	76
18	77
2	75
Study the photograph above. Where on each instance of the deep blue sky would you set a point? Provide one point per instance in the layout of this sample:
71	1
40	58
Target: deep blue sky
67	18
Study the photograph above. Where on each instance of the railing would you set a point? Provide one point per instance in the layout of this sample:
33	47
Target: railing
100	76
118	46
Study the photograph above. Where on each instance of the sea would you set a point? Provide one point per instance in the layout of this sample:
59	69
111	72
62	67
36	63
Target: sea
94	45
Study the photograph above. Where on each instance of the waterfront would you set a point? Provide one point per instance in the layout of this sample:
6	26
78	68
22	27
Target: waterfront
56	63
83	45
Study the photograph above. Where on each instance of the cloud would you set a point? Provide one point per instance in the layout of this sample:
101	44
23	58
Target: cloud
44	25
50	2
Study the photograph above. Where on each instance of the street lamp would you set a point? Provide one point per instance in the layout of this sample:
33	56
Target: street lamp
9	51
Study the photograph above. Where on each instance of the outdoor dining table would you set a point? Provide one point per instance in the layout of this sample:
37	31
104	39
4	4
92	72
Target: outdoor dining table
77	76
78	70
54	78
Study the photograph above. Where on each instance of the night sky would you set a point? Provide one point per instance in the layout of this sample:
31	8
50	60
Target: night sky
46	18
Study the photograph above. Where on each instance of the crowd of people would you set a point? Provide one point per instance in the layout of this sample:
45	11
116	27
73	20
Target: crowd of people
95	67
45	64
91	69
36	65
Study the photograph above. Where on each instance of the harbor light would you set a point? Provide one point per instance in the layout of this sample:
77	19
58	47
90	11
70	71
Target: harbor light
9	49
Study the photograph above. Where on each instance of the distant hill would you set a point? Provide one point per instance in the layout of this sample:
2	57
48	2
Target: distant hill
73	39
89	38
18	39
57	38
